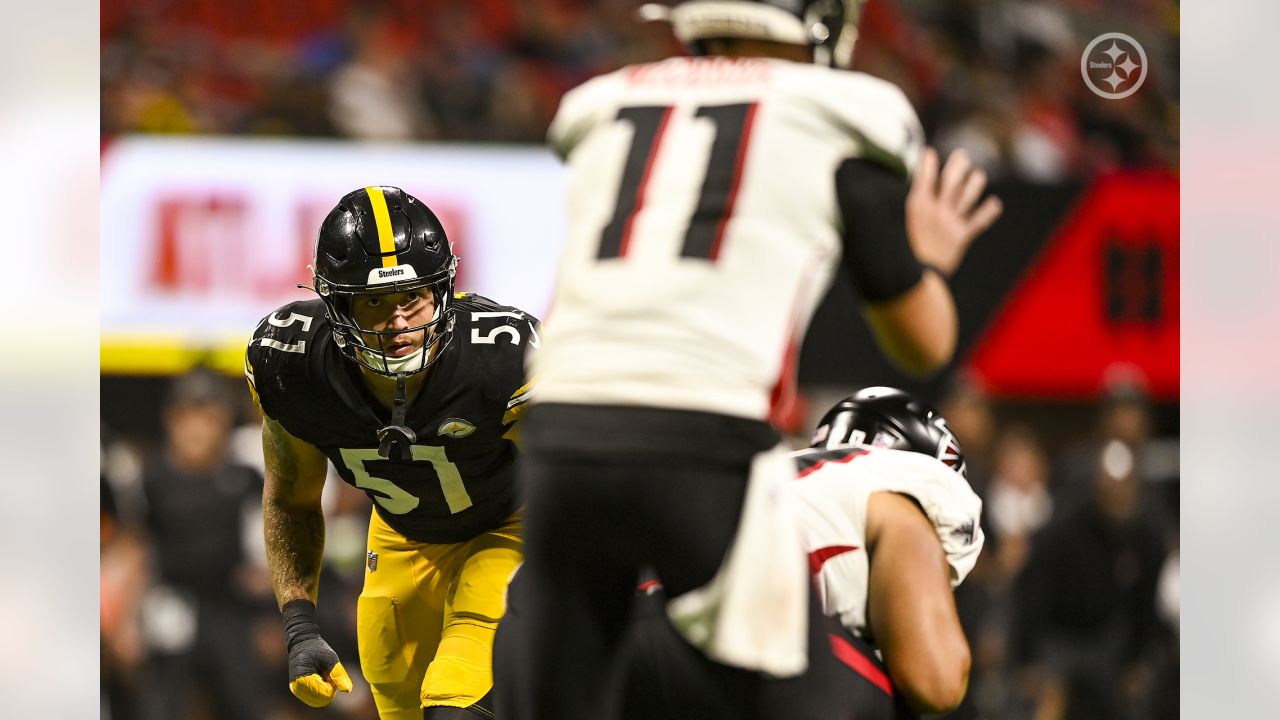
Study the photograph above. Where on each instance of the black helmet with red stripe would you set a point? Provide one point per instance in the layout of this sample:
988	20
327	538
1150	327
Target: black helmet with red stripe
380	240
891	418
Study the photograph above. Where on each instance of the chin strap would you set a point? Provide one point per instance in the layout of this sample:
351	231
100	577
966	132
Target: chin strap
395	439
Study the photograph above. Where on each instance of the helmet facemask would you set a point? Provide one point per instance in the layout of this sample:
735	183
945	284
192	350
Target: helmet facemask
370	348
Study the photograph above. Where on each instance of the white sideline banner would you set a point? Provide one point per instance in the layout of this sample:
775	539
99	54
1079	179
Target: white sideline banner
201	237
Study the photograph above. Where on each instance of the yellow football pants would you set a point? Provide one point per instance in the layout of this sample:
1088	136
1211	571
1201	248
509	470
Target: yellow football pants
427	614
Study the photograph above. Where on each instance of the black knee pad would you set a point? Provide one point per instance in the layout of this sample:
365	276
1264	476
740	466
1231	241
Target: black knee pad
481	709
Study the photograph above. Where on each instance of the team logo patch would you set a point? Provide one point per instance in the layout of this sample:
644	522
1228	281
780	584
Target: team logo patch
456	428
372	561
949	450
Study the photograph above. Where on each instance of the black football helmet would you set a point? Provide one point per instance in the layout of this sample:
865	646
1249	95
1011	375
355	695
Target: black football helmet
381	240
891	418
830	27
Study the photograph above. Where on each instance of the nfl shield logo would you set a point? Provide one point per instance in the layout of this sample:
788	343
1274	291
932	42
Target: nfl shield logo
372	561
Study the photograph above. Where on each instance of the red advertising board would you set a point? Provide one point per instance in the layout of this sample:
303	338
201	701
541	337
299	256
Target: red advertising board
1102	296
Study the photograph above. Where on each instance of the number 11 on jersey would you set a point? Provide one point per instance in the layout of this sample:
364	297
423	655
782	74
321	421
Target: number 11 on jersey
705	232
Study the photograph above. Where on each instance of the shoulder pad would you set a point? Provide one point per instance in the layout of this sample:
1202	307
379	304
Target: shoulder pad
482	321
873	111
581	109
501	336
280	347
944	495
479	303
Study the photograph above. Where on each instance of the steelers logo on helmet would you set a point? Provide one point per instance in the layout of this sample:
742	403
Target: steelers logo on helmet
381	244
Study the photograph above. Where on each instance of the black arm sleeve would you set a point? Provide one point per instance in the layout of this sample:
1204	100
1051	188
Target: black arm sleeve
879	257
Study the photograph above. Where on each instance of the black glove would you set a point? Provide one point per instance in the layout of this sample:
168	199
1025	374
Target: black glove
315	674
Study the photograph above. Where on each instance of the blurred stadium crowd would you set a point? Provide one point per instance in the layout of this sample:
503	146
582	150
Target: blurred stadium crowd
980	72
1076	594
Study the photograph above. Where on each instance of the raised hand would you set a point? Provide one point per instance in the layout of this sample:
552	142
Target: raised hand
942	219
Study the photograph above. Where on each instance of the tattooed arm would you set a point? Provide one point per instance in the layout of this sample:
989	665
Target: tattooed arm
294	527
293	523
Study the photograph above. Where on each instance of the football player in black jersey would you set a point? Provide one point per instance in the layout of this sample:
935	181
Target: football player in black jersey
413	392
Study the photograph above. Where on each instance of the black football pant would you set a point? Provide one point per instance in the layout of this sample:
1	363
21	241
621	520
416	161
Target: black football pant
667	679
594	520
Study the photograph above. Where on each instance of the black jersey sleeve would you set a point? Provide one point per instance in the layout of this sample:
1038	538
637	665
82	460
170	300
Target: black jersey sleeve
513	333
279	355
872	199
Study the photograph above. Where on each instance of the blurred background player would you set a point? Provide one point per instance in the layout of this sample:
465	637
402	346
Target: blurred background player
711	200
412	392
1086	624
198	591
890	526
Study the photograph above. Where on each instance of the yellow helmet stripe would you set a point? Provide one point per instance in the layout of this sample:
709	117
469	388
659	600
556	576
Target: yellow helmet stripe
381	216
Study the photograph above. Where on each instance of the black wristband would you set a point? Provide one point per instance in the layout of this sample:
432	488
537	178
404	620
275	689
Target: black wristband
299	622
877	251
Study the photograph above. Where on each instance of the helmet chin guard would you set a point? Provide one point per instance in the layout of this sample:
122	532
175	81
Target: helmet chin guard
410	363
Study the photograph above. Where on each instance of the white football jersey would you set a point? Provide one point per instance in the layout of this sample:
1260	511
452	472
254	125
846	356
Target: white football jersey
831	510
703	226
